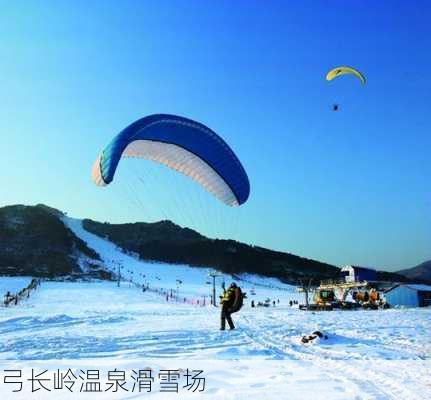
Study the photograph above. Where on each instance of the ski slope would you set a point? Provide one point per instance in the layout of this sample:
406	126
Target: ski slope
195	281
369	354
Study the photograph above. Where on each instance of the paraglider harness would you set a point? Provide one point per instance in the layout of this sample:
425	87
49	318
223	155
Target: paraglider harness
234	296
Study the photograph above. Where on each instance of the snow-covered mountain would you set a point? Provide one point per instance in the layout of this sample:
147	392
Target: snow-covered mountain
369	354
192	283
40	241
34	241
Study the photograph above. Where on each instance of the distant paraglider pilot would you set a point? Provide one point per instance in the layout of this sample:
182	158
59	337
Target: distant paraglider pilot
231	301
344	70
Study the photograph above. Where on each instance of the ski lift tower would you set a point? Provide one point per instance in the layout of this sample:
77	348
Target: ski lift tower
120	267
214	275
305	288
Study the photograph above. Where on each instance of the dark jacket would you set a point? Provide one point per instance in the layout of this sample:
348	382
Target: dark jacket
231	299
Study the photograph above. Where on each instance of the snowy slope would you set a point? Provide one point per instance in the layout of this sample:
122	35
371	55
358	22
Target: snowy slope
369	354
98	318
194	280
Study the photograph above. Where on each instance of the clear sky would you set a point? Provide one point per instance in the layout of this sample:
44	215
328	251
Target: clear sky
351	186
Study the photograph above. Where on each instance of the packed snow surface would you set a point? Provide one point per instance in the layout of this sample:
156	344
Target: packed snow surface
369	354
99	319
384	354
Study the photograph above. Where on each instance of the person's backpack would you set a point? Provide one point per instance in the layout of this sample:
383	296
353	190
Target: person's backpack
239	300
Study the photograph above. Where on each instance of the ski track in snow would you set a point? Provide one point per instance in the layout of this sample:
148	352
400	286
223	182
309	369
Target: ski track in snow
97	321
369	354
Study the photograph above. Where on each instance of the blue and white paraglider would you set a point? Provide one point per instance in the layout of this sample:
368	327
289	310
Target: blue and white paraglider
184	145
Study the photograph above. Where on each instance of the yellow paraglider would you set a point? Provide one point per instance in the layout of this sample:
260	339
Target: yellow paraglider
344	70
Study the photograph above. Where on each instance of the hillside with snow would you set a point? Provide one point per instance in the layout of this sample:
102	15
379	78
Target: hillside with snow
195	282
108	325
34	240
79	325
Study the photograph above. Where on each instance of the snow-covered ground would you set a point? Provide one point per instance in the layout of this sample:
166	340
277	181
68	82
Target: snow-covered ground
98	319
369	354
87	325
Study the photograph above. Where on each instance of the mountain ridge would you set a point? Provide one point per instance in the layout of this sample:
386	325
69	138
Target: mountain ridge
34	240
167	242
421	271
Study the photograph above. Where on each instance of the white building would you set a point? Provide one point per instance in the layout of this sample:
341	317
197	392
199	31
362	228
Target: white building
353	273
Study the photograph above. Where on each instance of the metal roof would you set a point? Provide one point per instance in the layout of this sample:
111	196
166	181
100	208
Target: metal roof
419	287
412	286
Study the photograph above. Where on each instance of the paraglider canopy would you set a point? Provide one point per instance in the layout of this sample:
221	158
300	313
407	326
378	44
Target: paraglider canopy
344	70
184	145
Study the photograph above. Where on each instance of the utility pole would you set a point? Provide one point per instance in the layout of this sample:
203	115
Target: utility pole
214	275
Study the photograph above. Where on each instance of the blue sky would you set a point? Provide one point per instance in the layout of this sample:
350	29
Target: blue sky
343	187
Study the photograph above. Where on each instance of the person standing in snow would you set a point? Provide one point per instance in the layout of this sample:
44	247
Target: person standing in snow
231	302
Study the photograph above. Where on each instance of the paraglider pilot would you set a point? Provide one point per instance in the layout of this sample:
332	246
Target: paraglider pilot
230	303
